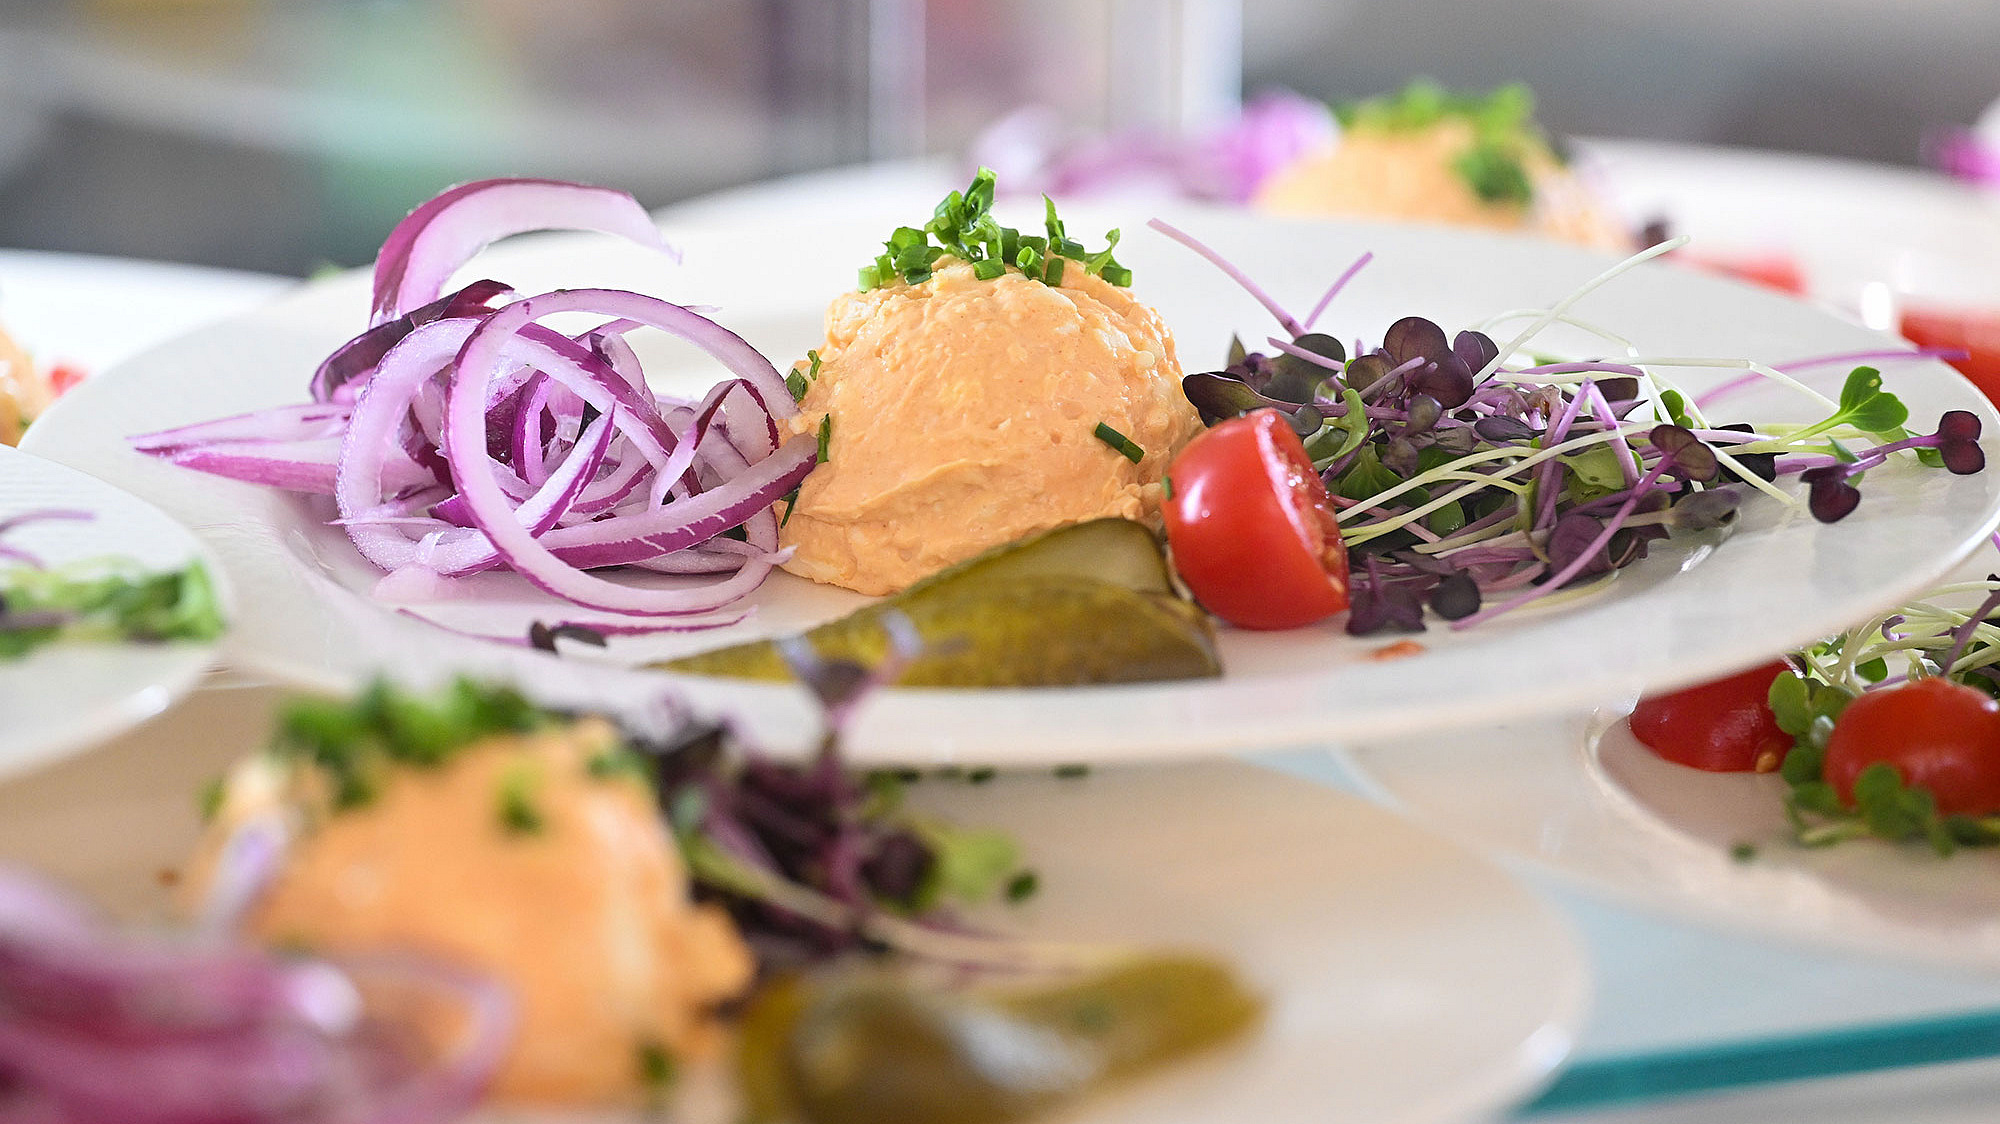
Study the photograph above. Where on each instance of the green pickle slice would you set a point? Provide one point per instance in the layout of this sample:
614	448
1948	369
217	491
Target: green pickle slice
865	1047
1088	603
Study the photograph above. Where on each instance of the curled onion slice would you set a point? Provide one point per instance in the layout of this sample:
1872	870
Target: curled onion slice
445	232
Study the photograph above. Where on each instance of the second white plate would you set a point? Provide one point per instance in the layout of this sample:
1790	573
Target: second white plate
1580	798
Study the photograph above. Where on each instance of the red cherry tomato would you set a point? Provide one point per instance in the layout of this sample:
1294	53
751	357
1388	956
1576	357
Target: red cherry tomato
1940	736
1724	726
1975	333
1251	528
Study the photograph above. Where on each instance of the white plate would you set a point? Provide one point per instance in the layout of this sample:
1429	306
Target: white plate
1580	798
62	697
1685	613
1409	981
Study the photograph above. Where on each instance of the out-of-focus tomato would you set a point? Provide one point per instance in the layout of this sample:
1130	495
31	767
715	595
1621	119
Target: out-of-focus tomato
1939	735
1975	333
1772	270
1252	530
1724	726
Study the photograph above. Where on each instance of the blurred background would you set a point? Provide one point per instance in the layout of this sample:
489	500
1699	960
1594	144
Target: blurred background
287	135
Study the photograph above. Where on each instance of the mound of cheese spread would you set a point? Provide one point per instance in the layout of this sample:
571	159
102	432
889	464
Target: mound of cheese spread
964	414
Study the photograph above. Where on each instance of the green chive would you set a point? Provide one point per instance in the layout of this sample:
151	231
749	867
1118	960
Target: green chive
1022	886
212	795
1072	772
1052	276
1117	275
825	436
657	1071
796	383
989	269
518	814
1125	446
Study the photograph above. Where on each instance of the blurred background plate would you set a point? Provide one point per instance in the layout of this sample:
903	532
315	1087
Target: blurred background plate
1580	798
1409	981
64	697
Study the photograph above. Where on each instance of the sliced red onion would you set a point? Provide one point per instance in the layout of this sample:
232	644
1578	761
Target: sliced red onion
108	1028
456	437
445	232
358	357
278	425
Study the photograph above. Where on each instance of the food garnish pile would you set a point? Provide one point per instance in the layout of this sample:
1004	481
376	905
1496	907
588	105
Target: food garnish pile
97	599
1428	154
27	388
981	385
1422	154
405	905
1890	729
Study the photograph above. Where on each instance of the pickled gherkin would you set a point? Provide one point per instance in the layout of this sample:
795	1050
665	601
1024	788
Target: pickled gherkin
874	1048
1089	603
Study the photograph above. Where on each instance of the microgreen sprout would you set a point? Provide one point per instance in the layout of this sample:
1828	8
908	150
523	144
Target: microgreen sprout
1471	483
964	228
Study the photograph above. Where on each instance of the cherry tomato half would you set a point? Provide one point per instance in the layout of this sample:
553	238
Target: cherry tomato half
1724	726
1940	736
1251	528
1975	333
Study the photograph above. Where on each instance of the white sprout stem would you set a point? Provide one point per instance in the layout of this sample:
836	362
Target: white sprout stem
1557	310
1590	327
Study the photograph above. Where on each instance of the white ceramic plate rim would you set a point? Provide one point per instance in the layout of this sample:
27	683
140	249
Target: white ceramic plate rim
1659	628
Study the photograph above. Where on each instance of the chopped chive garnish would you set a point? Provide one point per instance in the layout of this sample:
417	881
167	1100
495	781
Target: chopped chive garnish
791	505
1125	446
657	1071
211	799
962	226
825	436
798	382
1072	772
518	814
1022	886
